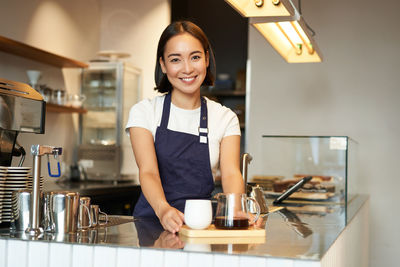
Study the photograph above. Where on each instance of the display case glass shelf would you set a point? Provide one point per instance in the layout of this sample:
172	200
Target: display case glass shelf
330	160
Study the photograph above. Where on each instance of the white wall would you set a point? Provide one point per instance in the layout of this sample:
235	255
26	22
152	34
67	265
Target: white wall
135	27
79	29
353	92
67	28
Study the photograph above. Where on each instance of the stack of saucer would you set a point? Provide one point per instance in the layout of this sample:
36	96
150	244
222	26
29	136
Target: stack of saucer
13	179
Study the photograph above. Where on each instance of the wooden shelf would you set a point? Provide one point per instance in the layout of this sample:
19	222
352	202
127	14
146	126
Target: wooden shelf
64	109
20	49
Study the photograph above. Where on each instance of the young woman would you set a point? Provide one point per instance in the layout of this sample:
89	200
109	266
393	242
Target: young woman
181	140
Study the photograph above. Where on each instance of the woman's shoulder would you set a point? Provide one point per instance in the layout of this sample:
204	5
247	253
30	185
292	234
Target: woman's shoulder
216	108
149	104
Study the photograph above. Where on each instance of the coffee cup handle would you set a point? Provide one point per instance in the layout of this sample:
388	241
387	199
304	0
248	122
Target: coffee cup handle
105	214
258	210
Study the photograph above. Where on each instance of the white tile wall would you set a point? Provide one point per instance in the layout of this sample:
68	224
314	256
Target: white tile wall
37	254
105	256
306	264
82	256
246	261
200	259
272	262
151	258
17	253
128	257
60	255
3	252
221	260
175	259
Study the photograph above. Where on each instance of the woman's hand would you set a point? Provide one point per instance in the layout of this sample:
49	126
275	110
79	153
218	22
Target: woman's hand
171	219
168	240
258	223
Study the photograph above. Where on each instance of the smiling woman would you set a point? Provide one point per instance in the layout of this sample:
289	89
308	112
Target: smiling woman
193	34
180	139
184	62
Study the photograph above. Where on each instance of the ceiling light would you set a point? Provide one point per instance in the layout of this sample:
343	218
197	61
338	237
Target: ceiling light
290	38
263	8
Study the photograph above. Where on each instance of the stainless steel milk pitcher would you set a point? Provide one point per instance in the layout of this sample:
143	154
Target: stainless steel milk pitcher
61	211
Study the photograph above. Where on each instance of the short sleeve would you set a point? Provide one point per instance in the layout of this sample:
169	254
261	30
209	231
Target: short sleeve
233	126
140	115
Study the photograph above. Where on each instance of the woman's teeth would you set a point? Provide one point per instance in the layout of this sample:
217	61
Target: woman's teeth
188	79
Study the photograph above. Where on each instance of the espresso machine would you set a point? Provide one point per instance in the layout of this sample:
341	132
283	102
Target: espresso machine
22	109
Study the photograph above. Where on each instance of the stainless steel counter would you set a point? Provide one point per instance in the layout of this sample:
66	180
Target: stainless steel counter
296	232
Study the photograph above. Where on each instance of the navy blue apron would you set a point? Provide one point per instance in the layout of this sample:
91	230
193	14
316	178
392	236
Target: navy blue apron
183	162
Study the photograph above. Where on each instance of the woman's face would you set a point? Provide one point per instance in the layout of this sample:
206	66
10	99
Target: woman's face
185	63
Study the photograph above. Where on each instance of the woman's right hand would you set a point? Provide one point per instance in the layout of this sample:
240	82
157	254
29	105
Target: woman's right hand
171	219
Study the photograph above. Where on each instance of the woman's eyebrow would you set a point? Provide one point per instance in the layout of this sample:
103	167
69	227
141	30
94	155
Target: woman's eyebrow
177	54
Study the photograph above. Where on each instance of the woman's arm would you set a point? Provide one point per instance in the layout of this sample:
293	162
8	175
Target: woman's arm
232	180
150	182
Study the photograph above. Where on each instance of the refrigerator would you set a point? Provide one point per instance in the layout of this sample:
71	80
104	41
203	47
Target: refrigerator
105	152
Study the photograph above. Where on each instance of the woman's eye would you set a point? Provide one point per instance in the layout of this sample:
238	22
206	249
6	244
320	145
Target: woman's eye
196	57
173	60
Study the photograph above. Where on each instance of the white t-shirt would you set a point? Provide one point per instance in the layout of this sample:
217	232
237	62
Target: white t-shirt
221	122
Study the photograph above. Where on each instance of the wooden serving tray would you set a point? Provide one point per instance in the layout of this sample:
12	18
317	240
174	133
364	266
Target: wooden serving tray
211	231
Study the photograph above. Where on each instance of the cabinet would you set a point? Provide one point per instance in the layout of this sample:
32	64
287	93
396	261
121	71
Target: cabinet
111	89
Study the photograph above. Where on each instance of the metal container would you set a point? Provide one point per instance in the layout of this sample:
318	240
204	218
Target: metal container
61	212
84	220
20	209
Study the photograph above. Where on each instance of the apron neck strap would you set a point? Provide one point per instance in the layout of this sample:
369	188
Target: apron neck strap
203	130
166	109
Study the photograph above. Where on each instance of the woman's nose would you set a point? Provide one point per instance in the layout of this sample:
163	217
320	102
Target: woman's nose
188	68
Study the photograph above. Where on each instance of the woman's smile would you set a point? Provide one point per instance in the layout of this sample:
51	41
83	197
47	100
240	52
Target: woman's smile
188	79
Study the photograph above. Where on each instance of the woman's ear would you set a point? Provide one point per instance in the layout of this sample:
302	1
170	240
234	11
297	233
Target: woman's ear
161	61
207	58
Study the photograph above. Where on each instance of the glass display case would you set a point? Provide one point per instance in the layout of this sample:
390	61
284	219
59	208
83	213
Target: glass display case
111	89
330	160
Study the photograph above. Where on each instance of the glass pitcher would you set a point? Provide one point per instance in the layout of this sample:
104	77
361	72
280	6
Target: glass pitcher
233	211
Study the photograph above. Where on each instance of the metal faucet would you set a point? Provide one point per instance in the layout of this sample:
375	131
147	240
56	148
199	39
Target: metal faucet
253	191
246	158
37	151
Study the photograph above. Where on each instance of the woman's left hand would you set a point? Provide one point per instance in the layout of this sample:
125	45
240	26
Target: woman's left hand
171	219
257	223
168	240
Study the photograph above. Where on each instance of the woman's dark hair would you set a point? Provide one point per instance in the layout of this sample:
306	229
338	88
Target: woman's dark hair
176	28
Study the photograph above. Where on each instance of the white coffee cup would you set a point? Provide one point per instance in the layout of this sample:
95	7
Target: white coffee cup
198	213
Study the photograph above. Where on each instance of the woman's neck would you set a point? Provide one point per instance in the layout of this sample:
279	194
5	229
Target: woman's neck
186	101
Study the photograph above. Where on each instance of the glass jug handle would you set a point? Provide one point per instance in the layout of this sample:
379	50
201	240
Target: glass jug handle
257	208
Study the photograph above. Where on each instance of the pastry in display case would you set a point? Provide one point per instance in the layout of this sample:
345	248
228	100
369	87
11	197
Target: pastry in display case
329	160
